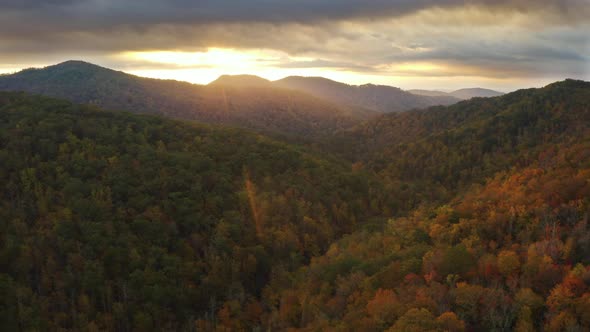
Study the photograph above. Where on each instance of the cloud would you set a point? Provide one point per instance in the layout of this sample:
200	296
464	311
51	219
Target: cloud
114	12
321	63
487	38
47	19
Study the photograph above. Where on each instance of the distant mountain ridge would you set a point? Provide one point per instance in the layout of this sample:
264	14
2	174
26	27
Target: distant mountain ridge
463	94
228	101
475	92
292	106
380	98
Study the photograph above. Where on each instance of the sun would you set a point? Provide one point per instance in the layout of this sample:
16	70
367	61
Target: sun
202	67
206	66
228	59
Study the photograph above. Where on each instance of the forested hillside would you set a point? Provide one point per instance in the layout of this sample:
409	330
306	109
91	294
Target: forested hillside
263	108
471	217
498	237
300	186
113	221
511	255
432	154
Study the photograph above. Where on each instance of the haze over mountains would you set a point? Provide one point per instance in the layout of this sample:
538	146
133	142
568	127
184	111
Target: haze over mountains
381	98
462	94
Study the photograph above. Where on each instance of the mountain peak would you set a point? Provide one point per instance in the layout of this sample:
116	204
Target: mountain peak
77	64
71	66
240	80
315	81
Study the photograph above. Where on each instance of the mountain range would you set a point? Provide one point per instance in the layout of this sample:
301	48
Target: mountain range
267	109
133	204
293	106
380	98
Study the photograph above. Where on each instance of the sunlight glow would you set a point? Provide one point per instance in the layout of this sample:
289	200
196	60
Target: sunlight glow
214	57
206	66
7	71
418	67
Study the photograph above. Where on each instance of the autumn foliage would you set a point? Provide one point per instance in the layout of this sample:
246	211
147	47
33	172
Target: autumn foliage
472	217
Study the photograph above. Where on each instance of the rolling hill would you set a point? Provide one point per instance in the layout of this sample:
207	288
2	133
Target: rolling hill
252	106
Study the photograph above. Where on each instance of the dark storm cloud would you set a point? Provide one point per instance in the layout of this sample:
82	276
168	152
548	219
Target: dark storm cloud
43	19
305	11
32	4
109	13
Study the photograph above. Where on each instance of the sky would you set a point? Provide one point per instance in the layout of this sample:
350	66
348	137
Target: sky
424	44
